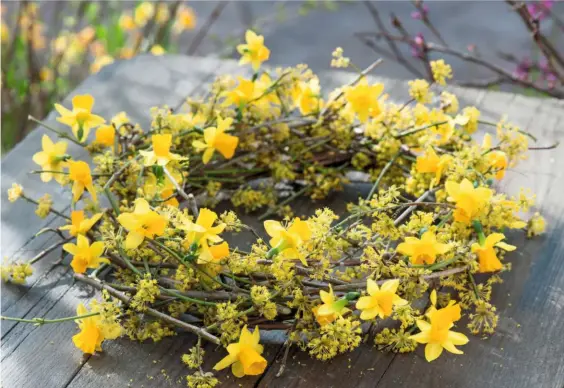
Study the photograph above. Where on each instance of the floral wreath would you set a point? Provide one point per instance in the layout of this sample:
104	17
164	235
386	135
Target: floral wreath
408	252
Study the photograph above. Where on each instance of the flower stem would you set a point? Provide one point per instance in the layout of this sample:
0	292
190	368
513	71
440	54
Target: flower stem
43	321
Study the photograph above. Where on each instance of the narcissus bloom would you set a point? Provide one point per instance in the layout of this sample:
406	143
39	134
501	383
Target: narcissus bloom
52	158
287	242
79	224
470	201
143	222
331	308
380	301
362	99
93	331
307	96
203	230
486	252
424	250
496	160
85	255
161	191
432	163
106	135
79	174
160	154
185	19
245	356
80	119
212	256
254	51
215	138
437	334
243	93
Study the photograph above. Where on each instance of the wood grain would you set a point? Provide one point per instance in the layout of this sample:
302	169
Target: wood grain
525	352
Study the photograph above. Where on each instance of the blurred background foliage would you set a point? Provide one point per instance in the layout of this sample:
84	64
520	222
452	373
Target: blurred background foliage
48	47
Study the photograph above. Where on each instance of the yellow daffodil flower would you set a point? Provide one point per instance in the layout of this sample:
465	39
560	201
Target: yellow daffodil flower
143	13
254	51
331	308
212	256
424	250
153	189
215	138
51	158
380	301
85	255
106	135
126	22
143	222
79	174
486	252
203	230
158	50
185	19
243	93
79	224
469	201
94	330
307	96
80	119
362	99
287	242
160	154
496	160
432	163
437	335
245	356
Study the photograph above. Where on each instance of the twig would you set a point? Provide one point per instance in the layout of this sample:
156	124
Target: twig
157	314
206	27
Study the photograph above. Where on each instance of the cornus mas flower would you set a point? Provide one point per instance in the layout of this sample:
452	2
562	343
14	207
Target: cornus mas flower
245	356
80	119
469	200
286	242
441	71
362	99
143	222
254	51
380	301
215	138
79	224
496	160
430	162
203	230
486	253
51	158
437	334
424	250
79	174
93	331
106	135
331	308
85	255
160	154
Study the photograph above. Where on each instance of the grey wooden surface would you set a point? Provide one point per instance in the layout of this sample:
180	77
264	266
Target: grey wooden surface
527	350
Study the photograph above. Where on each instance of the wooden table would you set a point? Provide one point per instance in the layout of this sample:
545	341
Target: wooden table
526	351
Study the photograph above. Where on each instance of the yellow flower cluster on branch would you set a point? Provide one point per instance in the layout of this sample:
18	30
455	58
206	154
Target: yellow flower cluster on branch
263	140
